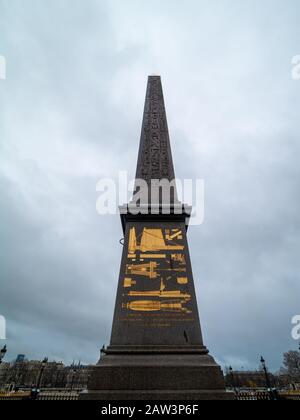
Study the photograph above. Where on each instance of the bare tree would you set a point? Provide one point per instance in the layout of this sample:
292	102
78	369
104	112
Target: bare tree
291	363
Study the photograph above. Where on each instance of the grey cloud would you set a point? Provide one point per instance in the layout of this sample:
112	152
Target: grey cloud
70	113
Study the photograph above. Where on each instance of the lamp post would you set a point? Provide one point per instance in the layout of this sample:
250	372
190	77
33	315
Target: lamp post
2	353
268	382
232	378
102	351
263	364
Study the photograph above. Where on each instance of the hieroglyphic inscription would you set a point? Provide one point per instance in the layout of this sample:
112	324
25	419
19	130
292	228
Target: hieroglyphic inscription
155	161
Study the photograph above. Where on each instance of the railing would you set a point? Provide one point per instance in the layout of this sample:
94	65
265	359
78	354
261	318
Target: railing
74	396
15	396
252	396
292	395
58	396
266	396
42	396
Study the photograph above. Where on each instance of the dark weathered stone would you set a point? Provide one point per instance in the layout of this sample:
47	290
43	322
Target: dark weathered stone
157	377
155	157
168	328
156	350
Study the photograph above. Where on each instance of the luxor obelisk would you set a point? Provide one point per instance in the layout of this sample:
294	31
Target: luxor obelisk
156	349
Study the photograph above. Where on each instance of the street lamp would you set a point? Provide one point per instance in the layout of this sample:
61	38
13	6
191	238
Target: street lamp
273	395
2	353
102	351
232	378
263	364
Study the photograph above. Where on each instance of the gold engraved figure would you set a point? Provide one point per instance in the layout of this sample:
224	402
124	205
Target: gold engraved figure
182	280
129	282
148	269
162	293
131	256
156	305
152	240
155	256
178	258
132	246
175	233
179	269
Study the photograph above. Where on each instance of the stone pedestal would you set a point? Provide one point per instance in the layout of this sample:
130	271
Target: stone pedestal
190	375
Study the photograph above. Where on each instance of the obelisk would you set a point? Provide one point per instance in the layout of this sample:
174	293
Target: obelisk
156	350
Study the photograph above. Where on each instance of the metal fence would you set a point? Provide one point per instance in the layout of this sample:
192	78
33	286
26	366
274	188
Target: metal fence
74	396
266	396
15	396
42	396
58	396
252	396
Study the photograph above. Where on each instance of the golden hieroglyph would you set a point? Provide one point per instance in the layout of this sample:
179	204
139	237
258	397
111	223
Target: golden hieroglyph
129	282
178	257
173	234
156	254
161	293
182	280
148	269
151	240
153	256
156	305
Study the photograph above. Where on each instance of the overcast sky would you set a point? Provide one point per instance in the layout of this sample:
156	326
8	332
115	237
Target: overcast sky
70	114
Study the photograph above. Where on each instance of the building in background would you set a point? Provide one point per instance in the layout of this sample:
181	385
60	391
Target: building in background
247	379
24	374
20	358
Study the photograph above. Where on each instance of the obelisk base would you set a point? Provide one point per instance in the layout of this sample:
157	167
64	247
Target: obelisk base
156	377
